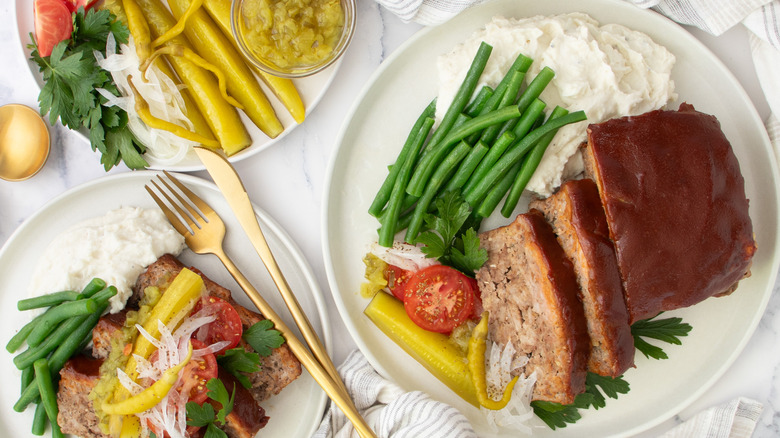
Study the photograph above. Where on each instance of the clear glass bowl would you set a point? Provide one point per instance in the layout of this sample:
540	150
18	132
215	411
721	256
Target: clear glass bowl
299	70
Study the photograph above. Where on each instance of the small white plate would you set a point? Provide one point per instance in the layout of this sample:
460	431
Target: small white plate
377	126
311	89
295	412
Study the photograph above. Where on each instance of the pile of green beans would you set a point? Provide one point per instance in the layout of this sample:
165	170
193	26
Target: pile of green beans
52	338
487	147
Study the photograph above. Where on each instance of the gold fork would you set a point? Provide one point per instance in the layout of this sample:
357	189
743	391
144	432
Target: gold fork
204	233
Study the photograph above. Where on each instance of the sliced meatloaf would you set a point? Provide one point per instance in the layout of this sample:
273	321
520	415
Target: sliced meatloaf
529	287
277	370
675	203
577	217
76	415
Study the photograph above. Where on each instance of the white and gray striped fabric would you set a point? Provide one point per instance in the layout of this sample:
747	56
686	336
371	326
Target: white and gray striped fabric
389	410
761	17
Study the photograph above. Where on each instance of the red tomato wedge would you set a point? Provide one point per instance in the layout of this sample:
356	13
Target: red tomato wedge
396	280
74	5
227	326
439	298
53	23
195	374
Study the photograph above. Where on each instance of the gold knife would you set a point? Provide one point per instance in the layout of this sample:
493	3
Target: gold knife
229	183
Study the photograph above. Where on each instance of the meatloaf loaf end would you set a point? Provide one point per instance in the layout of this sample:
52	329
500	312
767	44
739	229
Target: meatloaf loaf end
529	287
675	202
577	217
76	415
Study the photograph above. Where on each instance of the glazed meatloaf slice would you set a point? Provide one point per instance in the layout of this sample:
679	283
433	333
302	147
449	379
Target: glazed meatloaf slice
76	415
278	370
529	287
577	217
675	203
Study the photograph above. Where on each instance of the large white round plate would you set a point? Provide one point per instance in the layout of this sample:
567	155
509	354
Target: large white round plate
378	125
295	412
311	89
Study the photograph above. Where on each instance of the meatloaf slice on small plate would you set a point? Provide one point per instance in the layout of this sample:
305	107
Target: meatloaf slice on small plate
530	289
577	217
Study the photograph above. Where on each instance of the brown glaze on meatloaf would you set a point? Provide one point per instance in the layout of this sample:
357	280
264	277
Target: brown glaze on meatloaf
577	217
76	415
676	207
530	290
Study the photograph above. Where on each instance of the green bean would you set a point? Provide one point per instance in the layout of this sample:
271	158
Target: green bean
428	163
529	166
490	133
387	230
529	117
498	191
18	339
464	93
94	286
102	297
57	360
48	394
28	375
39	420
432	188
380	200
495	152
47	300
520	64
535	88
32	354
514	155
476	105
49	321
467	167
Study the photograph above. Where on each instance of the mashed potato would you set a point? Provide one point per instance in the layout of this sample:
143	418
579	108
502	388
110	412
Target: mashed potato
608	71
116	247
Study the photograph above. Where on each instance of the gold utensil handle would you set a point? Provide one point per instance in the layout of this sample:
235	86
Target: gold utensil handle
315	368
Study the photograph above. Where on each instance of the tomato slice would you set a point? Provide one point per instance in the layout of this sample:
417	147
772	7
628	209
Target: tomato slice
396	280
197	373
227	326
53	23
476	314
74	5
439	298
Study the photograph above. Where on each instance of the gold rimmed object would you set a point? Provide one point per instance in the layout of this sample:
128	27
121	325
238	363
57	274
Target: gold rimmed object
204	233
24	142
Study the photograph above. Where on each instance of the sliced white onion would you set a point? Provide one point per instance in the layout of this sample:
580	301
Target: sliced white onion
500	364
403	255
159	91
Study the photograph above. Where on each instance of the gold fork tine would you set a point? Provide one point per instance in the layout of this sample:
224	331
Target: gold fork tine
192	218
205	208
172	218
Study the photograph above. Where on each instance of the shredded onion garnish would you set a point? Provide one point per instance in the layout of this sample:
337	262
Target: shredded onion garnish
403	255
159	91
500	364
170	415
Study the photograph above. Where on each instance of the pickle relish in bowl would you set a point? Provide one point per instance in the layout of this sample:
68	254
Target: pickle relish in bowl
293	38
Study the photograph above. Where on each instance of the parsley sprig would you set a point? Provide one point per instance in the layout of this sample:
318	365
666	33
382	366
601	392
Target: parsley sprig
446	239
668	330
204	416
263	338
71	79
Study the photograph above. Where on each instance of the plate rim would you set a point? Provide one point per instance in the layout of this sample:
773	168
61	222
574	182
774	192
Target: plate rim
269	224
700	47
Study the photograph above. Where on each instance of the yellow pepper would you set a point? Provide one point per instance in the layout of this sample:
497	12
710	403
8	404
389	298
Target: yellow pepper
433	350
476	357
174	305
151	396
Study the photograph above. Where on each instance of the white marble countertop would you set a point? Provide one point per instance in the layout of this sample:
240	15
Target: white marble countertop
295	169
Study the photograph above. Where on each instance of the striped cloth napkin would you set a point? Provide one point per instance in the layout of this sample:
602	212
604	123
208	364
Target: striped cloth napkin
761	17
389	410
